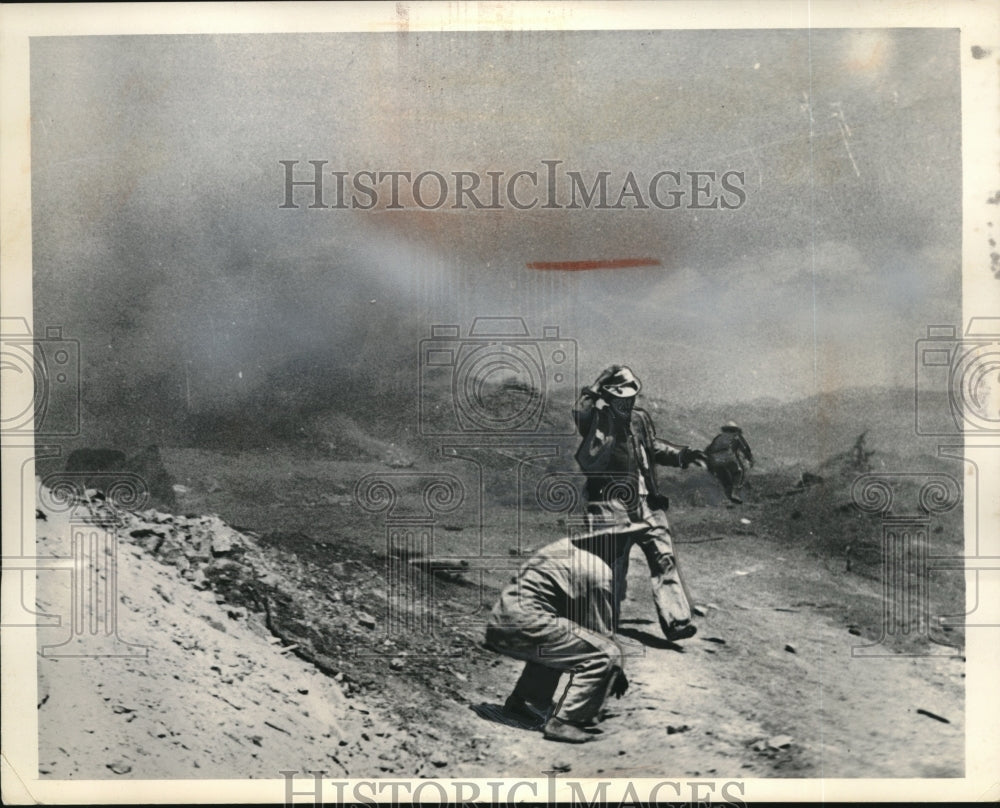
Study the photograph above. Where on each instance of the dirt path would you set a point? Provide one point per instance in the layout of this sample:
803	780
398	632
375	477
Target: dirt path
768	687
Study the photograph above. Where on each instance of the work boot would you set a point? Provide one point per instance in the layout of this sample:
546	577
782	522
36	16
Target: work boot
557	729
736	499
679	631
524	712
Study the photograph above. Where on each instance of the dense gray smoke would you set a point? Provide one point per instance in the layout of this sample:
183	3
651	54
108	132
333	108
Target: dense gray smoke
160	241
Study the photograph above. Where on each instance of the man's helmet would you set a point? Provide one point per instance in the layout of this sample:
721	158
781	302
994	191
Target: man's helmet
731	427
623	384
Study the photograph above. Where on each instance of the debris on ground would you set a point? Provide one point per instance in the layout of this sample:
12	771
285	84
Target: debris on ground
935	716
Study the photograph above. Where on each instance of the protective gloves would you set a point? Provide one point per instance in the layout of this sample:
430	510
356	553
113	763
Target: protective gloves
620	685
693	456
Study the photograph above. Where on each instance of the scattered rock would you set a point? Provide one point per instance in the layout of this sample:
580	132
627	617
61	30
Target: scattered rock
121	708
790	648
213	623
809	479
440	761
744	521
366	620
120	766
146	531
224	540
701	611
779	741
672	730
717	640
935	716
397	664
854	630
165	595
560	766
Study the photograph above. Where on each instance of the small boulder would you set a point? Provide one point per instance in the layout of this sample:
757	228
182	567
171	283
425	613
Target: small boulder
224	540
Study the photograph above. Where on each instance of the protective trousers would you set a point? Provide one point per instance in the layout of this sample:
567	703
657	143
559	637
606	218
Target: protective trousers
554	645
649	529
728	471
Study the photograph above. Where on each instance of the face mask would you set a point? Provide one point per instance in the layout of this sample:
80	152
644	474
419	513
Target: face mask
622	407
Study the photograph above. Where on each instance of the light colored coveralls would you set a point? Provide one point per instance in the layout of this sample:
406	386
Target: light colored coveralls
558	616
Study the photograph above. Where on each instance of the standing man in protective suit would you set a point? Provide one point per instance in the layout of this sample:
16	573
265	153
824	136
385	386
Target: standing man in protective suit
728	456
617	454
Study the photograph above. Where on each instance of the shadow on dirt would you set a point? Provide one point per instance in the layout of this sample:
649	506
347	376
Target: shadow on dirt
496	714
649	640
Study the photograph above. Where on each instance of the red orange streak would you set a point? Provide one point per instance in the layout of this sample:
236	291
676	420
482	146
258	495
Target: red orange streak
612	263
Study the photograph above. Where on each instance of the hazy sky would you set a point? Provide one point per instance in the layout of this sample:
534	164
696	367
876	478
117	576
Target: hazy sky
159	241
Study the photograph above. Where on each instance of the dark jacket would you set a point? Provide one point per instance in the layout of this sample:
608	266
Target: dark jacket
729	443
613	459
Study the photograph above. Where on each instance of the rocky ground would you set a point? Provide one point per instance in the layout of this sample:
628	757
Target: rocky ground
270	653
210	692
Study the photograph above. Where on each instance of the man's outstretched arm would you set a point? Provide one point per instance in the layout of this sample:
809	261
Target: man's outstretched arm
677	456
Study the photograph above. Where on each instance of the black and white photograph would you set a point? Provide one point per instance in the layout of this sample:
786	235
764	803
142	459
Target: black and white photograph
477	402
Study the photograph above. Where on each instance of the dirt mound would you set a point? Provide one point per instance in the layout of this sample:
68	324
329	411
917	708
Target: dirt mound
203	688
